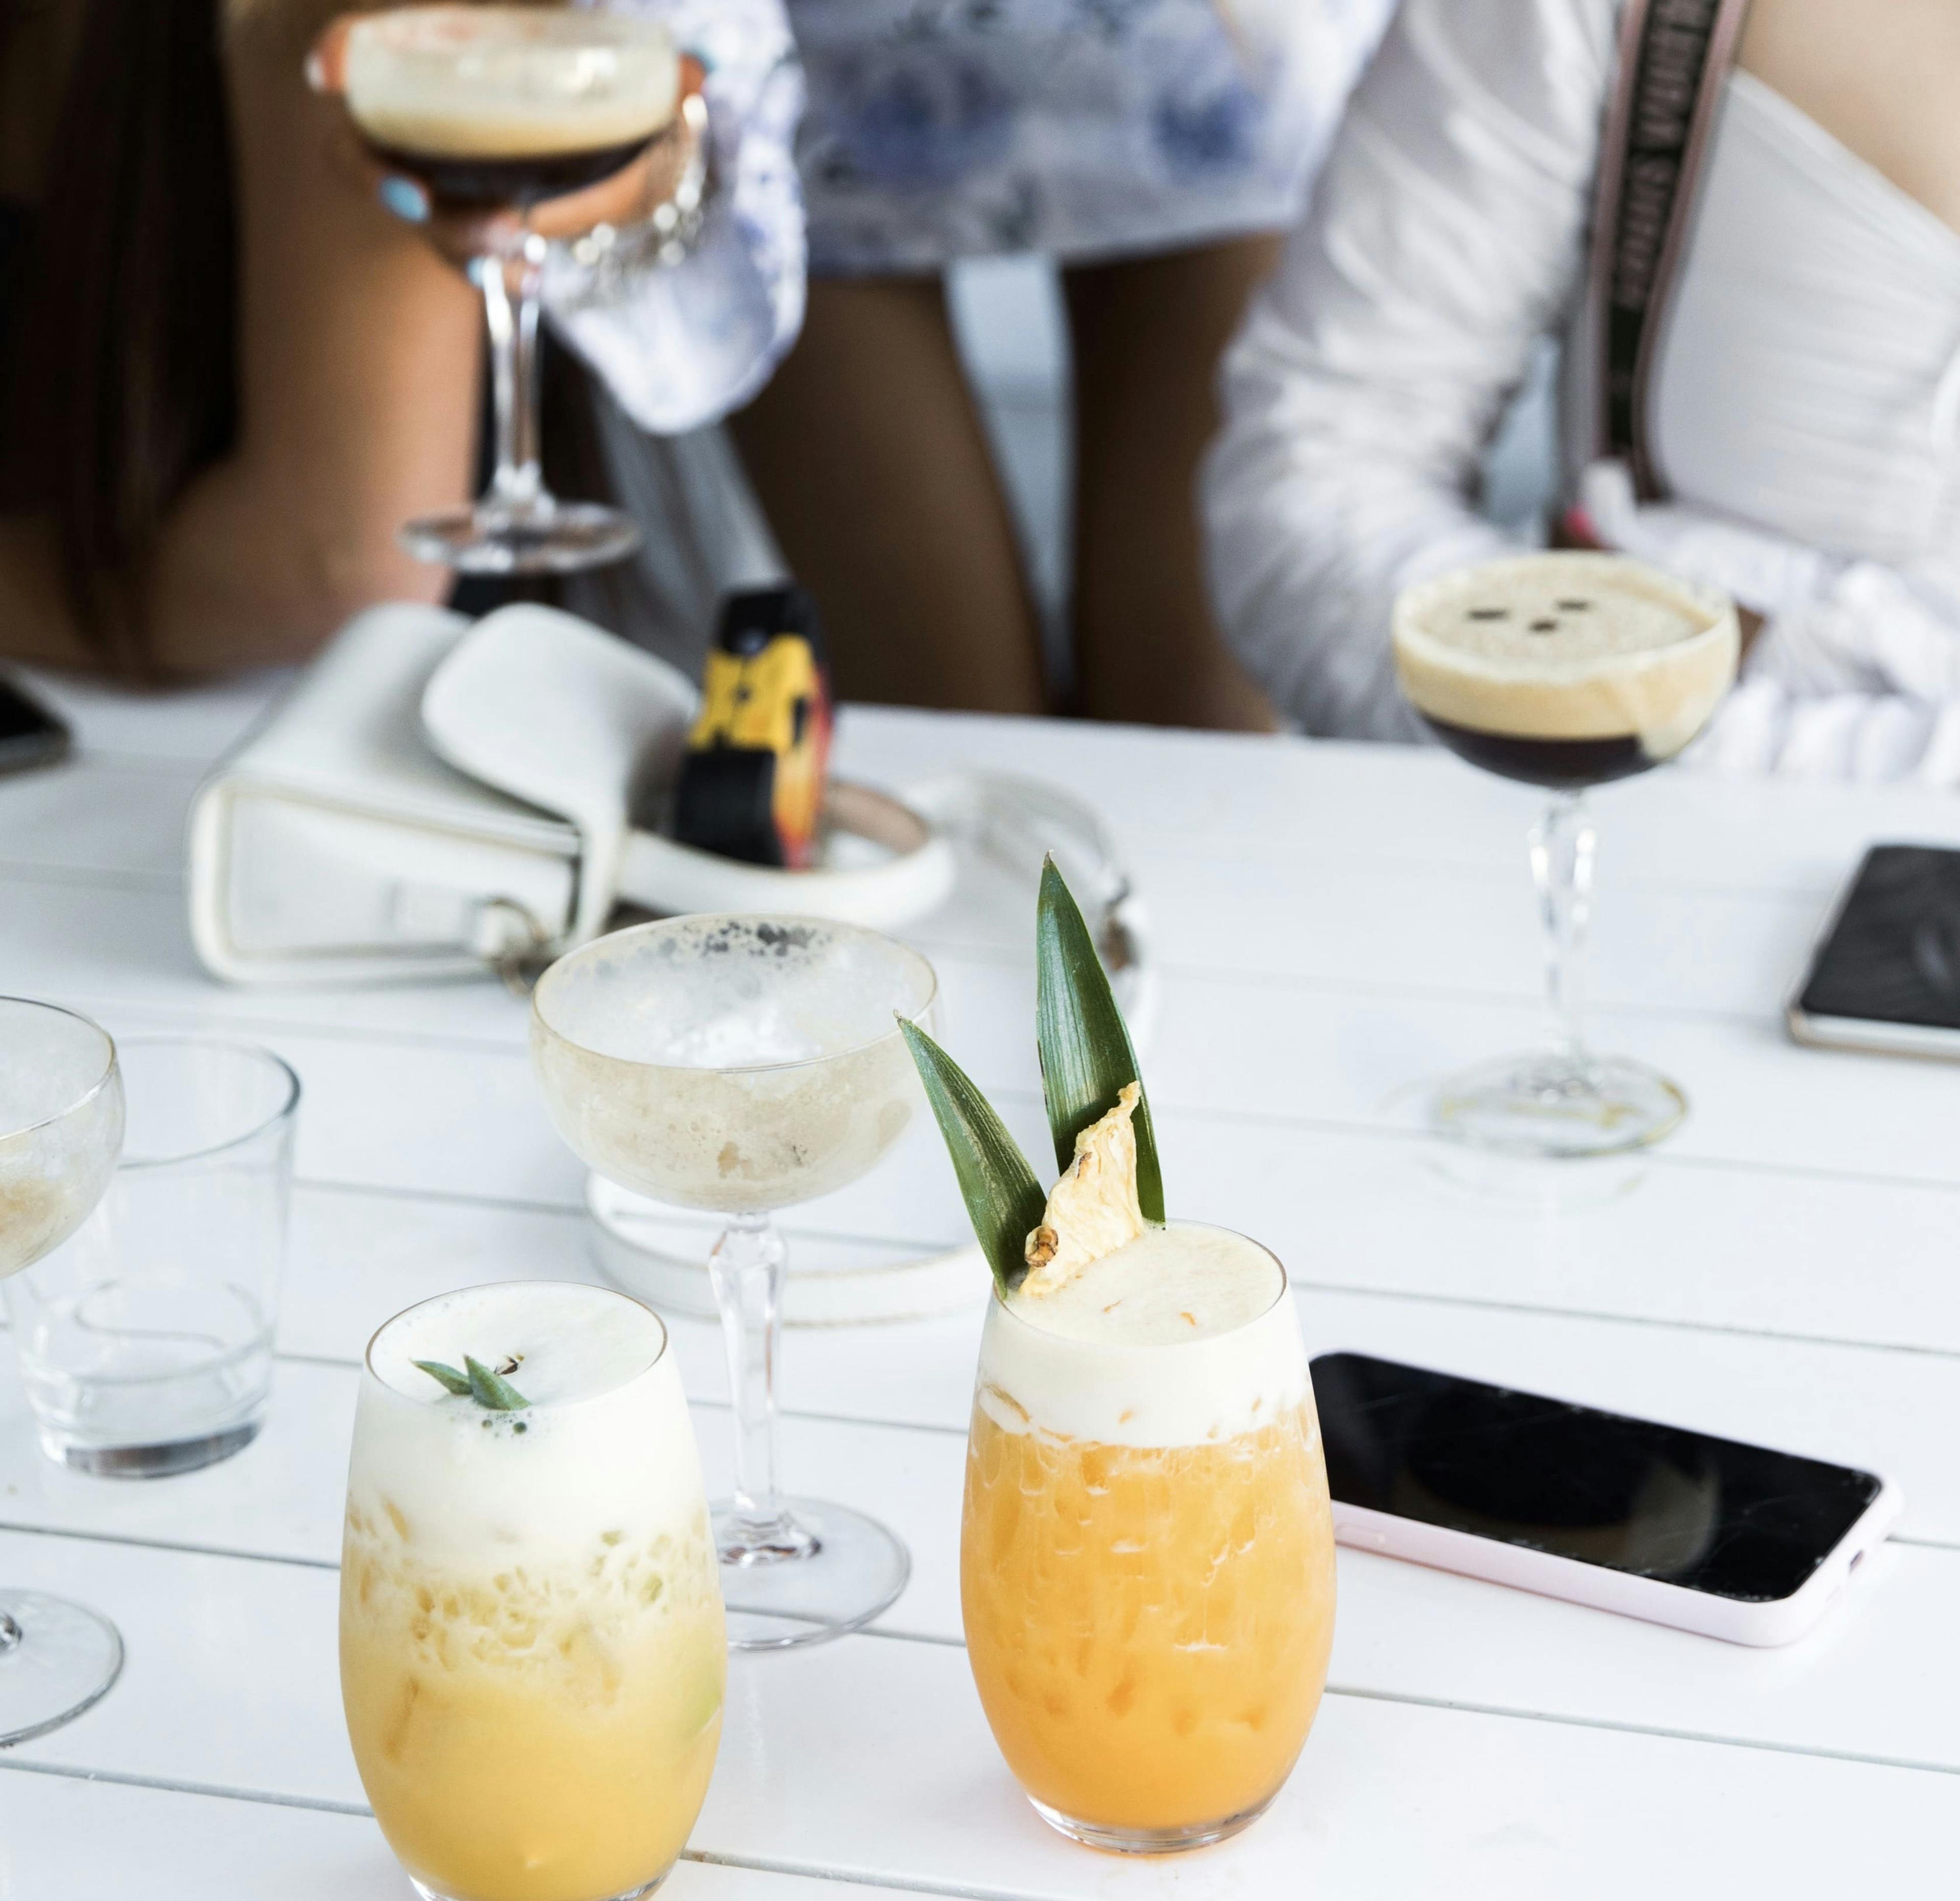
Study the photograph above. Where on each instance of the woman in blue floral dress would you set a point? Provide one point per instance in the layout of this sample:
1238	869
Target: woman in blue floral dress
1153	148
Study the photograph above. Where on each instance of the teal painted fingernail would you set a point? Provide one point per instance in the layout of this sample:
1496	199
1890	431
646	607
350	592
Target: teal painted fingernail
405	198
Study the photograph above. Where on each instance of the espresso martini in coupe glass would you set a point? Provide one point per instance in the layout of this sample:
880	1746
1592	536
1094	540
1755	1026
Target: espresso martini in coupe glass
1563	671
493	110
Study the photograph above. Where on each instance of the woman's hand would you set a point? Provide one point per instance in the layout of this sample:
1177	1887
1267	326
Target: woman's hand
628	196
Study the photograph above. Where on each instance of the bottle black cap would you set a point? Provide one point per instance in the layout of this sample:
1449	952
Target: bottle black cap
750	621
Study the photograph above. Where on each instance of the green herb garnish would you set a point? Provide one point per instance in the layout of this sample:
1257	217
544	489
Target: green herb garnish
457	1383
491	1391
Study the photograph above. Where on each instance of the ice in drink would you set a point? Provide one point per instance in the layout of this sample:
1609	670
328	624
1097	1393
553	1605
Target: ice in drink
1564	669
532	1647
1146	1568
739	1065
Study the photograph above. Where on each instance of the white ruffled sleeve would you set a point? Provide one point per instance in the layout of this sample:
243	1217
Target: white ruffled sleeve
1855	675
1445	237
682	344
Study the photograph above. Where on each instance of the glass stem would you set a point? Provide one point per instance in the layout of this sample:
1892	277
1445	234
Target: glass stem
746	1267
510	281
1561	855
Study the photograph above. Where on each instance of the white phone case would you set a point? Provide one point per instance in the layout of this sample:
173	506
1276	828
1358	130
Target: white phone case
1778	1621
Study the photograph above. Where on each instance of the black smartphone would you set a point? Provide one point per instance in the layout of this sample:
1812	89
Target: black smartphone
30	735
1655	1521
1886	975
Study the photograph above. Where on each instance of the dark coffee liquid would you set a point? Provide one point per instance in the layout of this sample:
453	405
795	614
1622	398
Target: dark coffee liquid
1561	765
488	184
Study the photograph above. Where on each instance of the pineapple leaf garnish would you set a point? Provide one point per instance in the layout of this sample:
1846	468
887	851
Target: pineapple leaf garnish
457	1383
492	1389
1003	1200
1085	1054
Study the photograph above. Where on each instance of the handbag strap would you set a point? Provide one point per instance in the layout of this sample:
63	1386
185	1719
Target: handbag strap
1674	57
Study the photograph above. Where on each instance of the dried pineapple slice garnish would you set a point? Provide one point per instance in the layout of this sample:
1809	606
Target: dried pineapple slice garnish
1092	1210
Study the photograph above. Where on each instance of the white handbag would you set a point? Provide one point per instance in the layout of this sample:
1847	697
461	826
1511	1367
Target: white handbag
434	798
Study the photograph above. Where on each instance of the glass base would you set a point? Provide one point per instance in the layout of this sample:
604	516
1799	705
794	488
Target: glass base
553	537
149	1461
1116	1841
814	1574
1558	1107
64	1659
428	1893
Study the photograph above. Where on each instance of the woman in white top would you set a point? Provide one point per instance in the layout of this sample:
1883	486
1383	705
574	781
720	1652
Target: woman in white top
1803	410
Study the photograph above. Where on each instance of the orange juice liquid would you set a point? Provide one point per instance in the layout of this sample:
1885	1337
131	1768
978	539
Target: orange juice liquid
533	1736
1149	1626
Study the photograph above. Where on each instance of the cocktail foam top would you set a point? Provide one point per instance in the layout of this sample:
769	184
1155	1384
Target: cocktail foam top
602	1447
1185	1336
1567	646
509	82
570	1342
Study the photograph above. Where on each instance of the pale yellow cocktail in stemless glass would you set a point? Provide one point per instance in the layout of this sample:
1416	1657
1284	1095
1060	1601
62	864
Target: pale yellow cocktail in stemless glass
531	1652
1146	1554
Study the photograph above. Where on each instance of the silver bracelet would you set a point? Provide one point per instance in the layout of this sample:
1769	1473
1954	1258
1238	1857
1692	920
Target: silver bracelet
614	254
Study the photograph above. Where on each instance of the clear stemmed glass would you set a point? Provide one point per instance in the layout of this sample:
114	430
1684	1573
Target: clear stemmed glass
494	110
61	1130
1564	671
740	1065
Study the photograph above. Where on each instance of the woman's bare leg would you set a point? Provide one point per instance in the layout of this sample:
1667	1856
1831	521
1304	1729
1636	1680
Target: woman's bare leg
871	462
1148	333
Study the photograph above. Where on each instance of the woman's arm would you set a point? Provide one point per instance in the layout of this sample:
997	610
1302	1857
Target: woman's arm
358	368
682	344
1445	237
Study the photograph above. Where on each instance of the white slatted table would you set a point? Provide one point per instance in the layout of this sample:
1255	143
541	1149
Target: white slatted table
1334	925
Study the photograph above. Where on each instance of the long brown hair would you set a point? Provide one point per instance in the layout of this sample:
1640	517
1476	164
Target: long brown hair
123	385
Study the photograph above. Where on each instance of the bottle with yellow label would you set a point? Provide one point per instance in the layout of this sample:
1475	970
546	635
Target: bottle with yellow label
751	785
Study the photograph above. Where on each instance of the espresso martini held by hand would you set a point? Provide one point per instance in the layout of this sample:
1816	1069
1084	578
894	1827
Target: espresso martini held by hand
496	106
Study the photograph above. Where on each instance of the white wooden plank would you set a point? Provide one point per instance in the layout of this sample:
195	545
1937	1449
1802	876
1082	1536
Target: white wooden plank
1257	801
193	723
82	1841
280	1499
1278	800
1366	925
1278	1051
118	818
359	1257
230	1682
1389	1800
1796	1256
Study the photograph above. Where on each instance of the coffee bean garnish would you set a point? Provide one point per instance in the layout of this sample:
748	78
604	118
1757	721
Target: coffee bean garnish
1545	626
1575	607
1490	613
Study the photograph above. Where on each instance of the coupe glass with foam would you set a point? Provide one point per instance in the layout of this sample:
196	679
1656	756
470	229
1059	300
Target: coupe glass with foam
493	110
61	1130
1147	1557
741	1065
1563	671
532	1656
